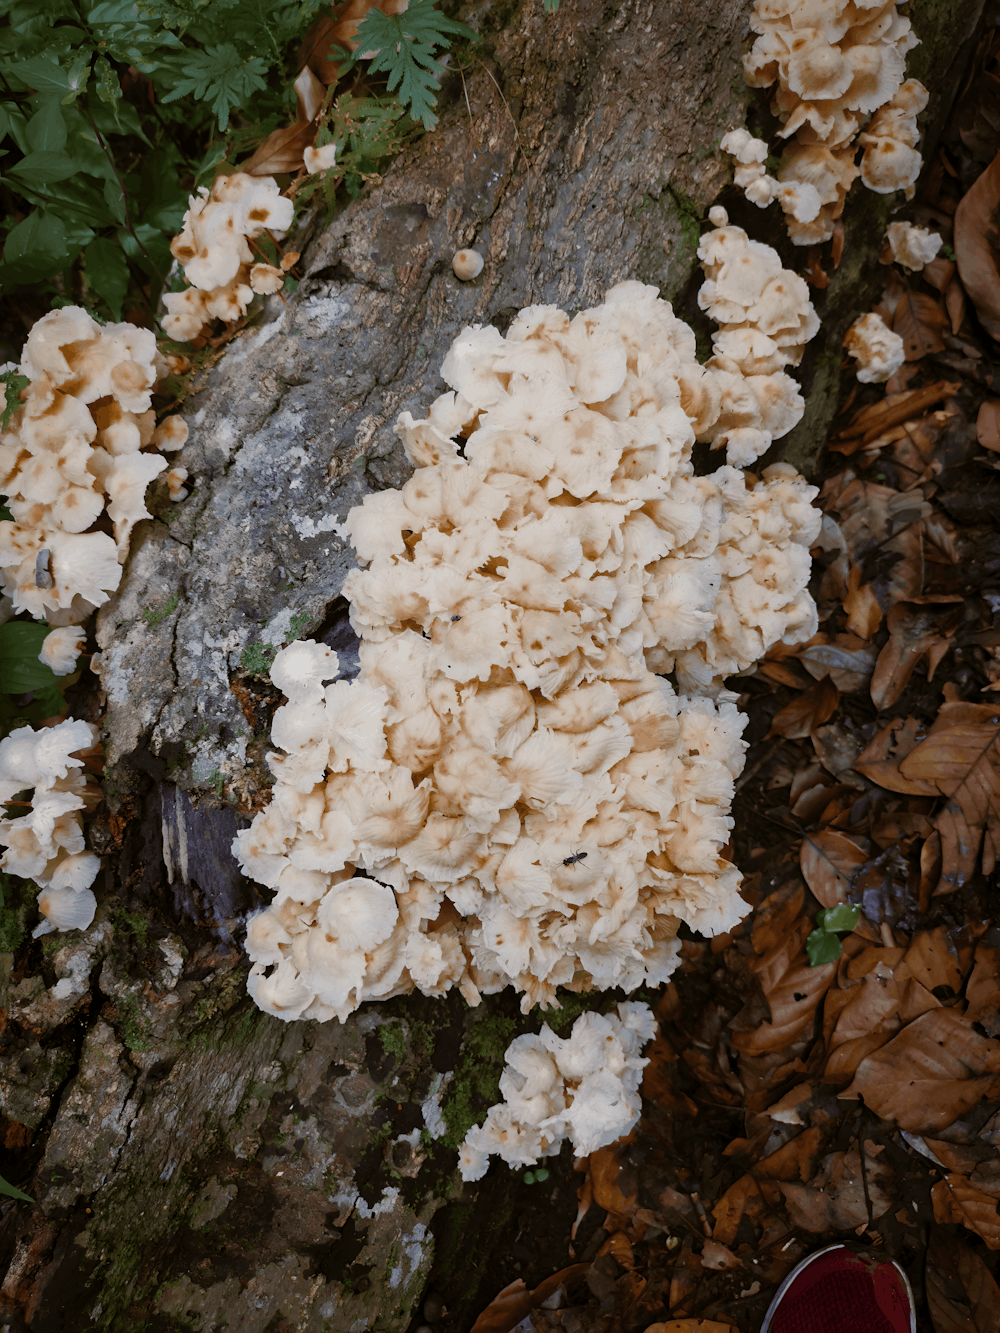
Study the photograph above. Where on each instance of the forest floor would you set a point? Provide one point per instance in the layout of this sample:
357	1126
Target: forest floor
811	1085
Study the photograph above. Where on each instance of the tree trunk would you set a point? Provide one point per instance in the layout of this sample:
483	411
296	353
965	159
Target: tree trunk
197	1164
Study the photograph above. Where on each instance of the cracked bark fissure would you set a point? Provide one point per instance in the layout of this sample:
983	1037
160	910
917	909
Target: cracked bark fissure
197	1164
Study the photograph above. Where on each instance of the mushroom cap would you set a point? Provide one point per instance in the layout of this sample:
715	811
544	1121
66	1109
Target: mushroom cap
467	264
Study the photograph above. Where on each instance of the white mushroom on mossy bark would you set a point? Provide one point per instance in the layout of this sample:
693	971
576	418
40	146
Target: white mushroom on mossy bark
79	446
833	64
46	845
911	247
509	786
584	1088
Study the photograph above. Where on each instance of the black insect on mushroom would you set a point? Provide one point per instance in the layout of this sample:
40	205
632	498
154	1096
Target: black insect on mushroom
572	860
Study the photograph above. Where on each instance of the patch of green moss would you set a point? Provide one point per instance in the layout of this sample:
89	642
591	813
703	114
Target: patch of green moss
476	1083
17	903
155	616
136	1029
136	925
393	1040
256	658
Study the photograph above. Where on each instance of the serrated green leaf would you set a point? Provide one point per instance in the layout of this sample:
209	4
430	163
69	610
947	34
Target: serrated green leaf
46	130
107	272
13	1192
403	46
219	75
20	670
823	946
843	916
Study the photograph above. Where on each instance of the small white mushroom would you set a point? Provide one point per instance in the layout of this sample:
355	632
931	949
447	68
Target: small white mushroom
467	264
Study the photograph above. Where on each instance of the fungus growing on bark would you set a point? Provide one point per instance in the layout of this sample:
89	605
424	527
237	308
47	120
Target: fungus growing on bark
79	446
584	1088
60	649
46	845
542	809
835	63
467	264
878	351
213	248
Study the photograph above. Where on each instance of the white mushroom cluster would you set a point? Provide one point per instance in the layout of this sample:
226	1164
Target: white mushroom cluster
215	250
46	845
835	63
584	1087
911	247
879	351
507	794
79	446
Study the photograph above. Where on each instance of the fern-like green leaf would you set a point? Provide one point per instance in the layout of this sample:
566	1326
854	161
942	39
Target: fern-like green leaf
403	46
220	74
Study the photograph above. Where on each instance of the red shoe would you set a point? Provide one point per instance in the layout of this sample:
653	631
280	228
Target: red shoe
837	1291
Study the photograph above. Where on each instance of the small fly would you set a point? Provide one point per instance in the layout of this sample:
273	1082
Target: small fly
572	860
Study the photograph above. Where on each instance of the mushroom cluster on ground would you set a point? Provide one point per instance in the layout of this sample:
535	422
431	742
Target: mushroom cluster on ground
507	794
584	1087
216	251
83	443
46	845
877	350
834	64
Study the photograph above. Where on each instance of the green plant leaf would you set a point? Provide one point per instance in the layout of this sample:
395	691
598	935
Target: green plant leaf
218	74
41	168
403	47
844	916
823	946
107	272
46	130
13	383
115	199
40	74
13	1192
36	249
20	670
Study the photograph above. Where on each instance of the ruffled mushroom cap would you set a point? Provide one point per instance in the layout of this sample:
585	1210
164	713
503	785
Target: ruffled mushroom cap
878	351
61	648
320	159
912	247
301	669
64	909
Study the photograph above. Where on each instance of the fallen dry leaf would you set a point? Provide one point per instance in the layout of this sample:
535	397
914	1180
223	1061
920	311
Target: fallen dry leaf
864	615
792	988
283	149
988	425
930	1074
714	1255
811	709
961	759
961	1292
828	860
837	1200
914	631
896	408
742	1199
880	760
956	1200
976	246
338	29
983	988
918	321
846	659
516	1302
933	960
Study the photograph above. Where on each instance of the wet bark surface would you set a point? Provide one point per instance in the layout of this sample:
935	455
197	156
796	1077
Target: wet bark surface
196	1164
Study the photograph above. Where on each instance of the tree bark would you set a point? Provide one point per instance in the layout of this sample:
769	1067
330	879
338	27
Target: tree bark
197	1164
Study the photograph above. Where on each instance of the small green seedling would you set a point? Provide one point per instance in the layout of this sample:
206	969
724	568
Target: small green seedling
823	945
536	1177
